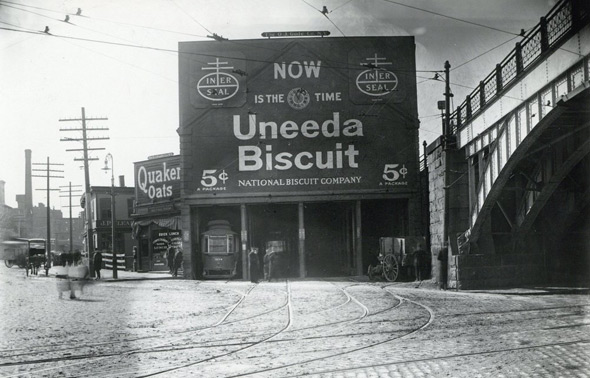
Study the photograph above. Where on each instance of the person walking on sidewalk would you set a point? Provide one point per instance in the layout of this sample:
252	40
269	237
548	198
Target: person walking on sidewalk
135	259
97	261
169	256
254	265
177	261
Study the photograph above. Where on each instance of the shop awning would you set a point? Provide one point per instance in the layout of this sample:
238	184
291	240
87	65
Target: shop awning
172	223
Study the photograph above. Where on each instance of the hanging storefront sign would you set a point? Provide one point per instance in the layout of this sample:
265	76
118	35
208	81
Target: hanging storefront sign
157	179
322	115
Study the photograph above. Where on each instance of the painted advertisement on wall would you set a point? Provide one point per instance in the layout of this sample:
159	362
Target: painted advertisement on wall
161	241
157	179
321	115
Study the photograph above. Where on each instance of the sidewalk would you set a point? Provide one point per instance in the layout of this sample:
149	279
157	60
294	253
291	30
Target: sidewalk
122	275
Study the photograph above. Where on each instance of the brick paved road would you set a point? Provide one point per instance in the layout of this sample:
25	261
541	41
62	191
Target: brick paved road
336	328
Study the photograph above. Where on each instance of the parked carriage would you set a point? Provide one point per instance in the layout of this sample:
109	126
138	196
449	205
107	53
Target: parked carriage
396	257
30	254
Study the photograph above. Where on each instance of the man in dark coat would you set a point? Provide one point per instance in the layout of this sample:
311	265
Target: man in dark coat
169	256
442	268
177	261
97	262
254	265
420	263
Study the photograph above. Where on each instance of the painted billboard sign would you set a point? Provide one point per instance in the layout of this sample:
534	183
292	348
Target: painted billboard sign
299	115
157	179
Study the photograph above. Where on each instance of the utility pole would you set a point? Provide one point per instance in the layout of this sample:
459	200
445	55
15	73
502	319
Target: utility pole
85	159
448	96
69	193
48	176
446	142
446	137
113	220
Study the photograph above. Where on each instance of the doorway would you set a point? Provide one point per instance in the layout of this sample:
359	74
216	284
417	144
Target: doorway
328	239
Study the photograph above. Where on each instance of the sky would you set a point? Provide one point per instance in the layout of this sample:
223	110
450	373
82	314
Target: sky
118	60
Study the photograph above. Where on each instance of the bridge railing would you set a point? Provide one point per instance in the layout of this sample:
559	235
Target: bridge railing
563	20
512	130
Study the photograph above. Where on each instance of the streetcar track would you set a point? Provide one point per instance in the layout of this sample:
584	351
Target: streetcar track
364	319
169	347
175	348
298	363
349	299
451	356
288	325
51	347
151	349
98	357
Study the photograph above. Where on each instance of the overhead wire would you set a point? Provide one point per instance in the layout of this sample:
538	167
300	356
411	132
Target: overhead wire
450	17
341	5
205	28
381	105
107	20
343	66
325	13
191	17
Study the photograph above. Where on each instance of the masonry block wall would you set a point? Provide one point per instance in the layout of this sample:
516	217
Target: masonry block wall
438	161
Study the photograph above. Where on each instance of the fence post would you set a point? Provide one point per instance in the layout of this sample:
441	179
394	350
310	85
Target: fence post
468	105
577	9
544	35
518	56
482	94
499	84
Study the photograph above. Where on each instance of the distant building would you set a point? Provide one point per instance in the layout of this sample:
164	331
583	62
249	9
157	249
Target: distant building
8	217
156	223
100	202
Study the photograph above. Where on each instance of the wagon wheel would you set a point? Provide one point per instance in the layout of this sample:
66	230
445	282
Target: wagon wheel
9	263
390	268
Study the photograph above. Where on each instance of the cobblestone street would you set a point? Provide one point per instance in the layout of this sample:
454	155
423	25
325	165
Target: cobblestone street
136	327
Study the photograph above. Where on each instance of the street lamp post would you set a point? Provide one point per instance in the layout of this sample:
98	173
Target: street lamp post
112	168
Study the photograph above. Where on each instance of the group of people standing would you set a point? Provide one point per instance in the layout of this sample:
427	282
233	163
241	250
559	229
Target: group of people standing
271	267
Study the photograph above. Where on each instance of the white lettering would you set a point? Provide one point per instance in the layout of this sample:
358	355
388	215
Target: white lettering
296	69
330	128
250	159
153	183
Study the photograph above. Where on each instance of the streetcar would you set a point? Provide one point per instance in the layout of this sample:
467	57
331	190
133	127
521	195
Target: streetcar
220	250
30	254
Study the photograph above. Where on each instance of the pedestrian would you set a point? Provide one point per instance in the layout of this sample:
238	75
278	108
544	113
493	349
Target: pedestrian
78	275
69	259
442	268
177	261
254	265
97	261
135	259
420	262
77	257
271	267
169	256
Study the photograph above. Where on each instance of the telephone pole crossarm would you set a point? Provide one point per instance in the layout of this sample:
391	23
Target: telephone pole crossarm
85	139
